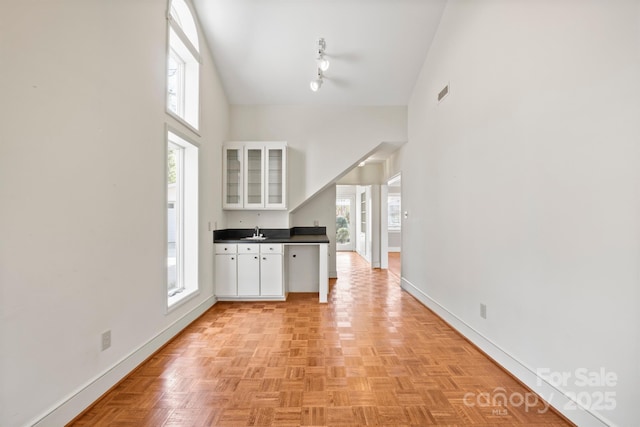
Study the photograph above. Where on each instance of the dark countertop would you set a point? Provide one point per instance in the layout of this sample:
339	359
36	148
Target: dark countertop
309	235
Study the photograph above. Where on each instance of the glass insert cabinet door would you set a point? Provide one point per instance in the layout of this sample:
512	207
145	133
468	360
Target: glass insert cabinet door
276	160
254	184
232	178
254	175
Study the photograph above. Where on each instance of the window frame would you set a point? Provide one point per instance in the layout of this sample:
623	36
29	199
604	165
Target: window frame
179	43
180	80
187	211
178	207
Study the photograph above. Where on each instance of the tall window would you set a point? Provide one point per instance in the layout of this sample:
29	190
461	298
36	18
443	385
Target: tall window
182	218
183	64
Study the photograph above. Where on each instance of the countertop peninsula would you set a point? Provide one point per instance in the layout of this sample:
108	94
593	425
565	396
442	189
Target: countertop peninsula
294	235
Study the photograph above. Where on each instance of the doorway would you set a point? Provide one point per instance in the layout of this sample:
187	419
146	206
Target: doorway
394	224
345	216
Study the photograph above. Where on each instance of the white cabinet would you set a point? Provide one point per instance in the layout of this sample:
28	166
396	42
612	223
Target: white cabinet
271	270
254	175
232	170
275	176
226	270
249	271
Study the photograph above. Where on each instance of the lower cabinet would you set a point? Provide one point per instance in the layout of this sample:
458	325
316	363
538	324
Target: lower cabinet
248	270
271	275
252	271
226	275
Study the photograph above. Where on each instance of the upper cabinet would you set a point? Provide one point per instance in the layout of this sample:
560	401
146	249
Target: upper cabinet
254	175
232	176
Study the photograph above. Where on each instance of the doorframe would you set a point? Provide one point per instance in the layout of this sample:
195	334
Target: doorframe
363	246
393	181
384	226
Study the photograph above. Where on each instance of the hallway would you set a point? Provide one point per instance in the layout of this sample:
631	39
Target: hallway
372	356
395	263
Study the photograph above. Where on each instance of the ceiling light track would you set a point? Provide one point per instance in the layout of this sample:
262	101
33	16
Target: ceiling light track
323	65
323	62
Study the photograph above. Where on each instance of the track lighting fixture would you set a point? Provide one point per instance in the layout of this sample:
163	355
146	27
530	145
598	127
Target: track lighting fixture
323	65
315	84
323	62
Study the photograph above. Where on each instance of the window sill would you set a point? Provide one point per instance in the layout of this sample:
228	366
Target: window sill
183	122
178	299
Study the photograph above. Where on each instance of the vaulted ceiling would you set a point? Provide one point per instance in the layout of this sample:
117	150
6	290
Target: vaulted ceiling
265	50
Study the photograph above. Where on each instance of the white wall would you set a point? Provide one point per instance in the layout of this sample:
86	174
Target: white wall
263	219
371	173
82	166
322	208
323	141
522	188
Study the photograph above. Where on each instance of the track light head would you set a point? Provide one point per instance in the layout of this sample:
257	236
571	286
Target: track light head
315	84
323	62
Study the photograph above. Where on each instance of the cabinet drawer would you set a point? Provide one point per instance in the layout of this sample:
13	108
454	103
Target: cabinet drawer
248	248
223	248
271	248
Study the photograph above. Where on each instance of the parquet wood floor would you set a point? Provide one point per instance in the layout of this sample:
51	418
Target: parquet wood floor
395	263
372	356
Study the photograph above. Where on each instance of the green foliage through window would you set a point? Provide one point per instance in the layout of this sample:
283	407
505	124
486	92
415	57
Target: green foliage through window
342	235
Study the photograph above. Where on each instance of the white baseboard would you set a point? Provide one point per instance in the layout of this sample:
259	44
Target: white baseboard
333	274
393	249
527	375
70	407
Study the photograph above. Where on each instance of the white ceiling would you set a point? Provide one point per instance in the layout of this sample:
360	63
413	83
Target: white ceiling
265	50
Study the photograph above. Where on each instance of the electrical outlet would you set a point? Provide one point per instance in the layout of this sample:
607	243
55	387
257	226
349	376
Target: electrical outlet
483	311
106	340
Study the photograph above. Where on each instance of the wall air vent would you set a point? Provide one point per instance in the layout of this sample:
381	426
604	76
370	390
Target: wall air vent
443	93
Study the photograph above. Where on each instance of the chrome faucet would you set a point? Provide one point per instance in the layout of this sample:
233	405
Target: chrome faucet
256	233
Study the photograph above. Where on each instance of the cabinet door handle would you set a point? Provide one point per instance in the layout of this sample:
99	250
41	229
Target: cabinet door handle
255	257
294	255
232	258
264	258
